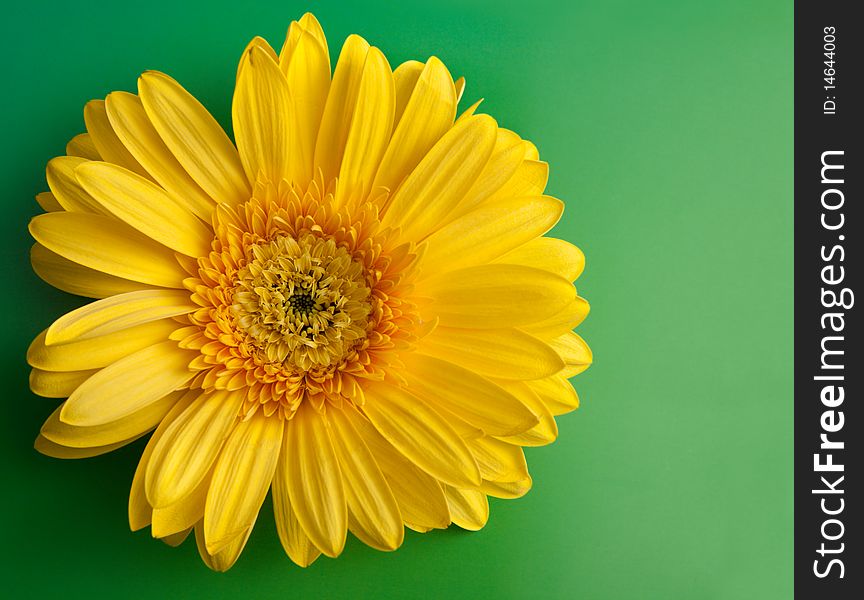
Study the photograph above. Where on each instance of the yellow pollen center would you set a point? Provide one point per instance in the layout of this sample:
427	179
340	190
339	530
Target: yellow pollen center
304	303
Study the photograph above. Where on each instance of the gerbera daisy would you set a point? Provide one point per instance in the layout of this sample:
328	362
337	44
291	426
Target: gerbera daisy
354	307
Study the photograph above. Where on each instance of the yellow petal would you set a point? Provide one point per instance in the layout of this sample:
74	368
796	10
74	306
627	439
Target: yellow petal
183	514
556	393
130	426
506	489
421	434
546	430
562	322
498	460
194	137
549	254
341	99
490	231
82	146
189	447
294	540
504	353
140	511
574	351
419	496
60	174
146	207
110	148
97	352
51	384
467	395
459	84
262	117
225	558
469	509
529	179
495	296
310	470
175	539
241	478
405	77
307	71
128	385
118	312
429	113
442	178
133	127
373	513
371	126
108	245
76	279
48	202
506	158
49	448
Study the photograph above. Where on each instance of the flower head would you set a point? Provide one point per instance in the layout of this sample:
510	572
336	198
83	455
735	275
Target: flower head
354	307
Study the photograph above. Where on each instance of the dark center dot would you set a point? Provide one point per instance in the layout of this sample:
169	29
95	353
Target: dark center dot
301	303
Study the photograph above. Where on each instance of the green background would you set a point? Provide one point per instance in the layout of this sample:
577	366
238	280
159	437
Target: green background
668	126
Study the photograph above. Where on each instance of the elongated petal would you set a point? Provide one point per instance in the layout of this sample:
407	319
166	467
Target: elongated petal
310	469
128	385
544	432
469	509
441	179
296	543
498	460
575	353
108	245
504	353
562	322
146	207
140	510
241	478
190	446
549	254
183	514
506	489
130	426
556	393
405	78
489	232
429	113
419	495
336	120
225	558
76	279
262	117
371	126
308	73
506	158
118	312
194	137
467	395
529	179
133	127
82	146
48	202
45	446
421	434
495	296
60	174
371	504
97	352
51	384
110	148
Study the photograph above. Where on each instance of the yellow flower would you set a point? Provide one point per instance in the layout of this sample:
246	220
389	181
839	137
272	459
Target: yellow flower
354	308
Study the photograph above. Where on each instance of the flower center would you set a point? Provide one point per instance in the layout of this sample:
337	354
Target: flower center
304	303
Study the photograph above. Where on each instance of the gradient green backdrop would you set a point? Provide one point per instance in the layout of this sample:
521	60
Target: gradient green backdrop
668	126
